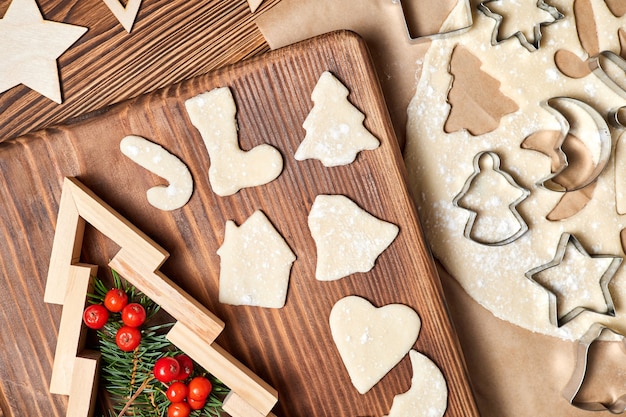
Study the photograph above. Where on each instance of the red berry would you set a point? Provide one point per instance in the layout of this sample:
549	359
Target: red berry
180	409
95	316
177	392
166	369
128	338
196	404
186	367
200	388
115	300
133	315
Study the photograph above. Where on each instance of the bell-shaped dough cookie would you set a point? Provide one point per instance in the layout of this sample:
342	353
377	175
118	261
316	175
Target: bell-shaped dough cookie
370	340
348	238
334	128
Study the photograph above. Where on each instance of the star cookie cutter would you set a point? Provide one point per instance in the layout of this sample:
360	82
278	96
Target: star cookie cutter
468	22
565	240
601	65
530	46
604	137
524	193
571	390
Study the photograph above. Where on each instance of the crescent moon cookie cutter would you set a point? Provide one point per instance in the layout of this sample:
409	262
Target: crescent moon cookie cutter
463	7
530	46
555	106
523	194
577	380
610	68
566	240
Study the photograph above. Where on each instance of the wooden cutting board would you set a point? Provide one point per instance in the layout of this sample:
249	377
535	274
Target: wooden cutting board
291	348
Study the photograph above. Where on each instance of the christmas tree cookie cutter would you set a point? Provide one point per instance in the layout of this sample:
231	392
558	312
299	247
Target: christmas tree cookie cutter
610	68
530	46
604	138
524	193
463	7
573	387
566	240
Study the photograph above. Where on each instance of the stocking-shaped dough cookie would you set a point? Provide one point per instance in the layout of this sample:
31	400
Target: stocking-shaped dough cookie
213	114
348	238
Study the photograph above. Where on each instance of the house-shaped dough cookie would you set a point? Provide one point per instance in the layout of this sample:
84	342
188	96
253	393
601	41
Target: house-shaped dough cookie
255	263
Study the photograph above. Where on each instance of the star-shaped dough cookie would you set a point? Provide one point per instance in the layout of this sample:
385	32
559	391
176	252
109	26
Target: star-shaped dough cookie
29	48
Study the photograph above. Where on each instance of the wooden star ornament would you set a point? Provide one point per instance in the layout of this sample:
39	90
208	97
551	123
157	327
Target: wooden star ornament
30	46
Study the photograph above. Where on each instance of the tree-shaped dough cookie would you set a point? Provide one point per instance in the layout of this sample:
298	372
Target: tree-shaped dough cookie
334	128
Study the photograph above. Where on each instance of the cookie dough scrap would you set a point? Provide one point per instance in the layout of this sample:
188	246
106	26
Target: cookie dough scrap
213	114
255	263
159	161
371	341
334	128
428	395
348	238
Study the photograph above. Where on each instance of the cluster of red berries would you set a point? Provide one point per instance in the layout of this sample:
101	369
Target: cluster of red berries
133	316
184	397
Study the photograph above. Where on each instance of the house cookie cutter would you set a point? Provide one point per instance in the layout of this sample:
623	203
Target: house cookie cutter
512	206
600	66
565	240
571	390
531	46
444	31
604	137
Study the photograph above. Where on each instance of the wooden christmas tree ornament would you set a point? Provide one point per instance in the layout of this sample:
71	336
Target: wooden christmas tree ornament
75	370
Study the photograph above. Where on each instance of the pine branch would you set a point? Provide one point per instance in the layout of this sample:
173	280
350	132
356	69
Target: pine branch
127	376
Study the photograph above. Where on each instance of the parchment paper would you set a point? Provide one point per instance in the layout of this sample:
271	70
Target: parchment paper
514	372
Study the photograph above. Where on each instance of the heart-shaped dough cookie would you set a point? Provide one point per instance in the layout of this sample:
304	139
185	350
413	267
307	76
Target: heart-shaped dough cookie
371	340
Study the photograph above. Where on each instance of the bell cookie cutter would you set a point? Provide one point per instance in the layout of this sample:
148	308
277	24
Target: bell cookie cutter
599	65
524	193
571	390
566	240
445	32
604	137
530	46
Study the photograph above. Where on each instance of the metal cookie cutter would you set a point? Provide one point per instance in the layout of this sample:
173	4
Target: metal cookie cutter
578	376
524	193
531	46
468	21
604	137
610	68
565	240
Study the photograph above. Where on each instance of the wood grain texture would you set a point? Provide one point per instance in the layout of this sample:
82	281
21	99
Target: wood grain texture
290	348
171	40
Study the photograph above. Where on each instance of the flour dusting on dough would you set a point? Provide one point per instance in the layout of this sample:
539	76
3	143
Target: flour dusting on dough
438	164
